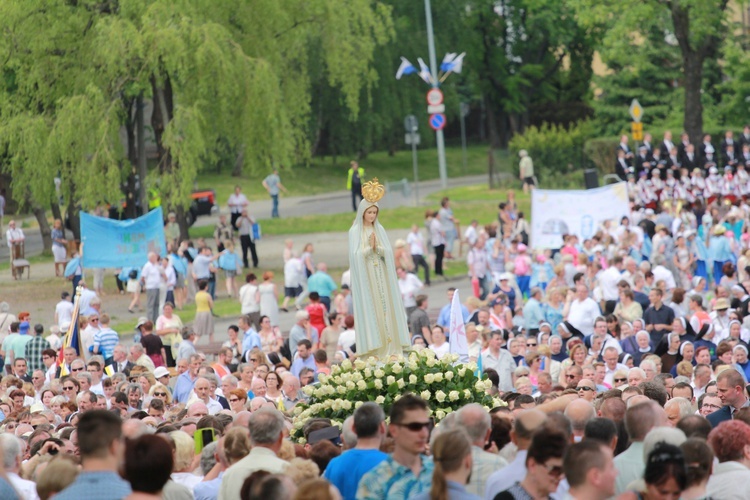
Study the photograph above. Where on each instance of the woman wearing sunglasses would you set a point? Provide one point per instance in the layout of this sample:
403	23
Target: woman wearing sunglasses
160	391
237	399
70	388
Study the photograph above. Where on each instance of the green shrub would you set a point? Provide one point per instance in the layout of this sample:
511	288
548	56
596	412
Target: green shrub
601	152
555	149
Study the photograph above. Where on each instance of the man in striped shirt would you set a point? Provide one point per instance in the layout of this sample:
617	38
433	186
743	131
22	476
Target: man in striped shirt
105	339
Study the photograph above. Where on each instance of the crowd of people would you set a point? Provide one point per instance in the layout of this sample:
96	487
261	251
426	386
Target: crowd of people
683	173
622	361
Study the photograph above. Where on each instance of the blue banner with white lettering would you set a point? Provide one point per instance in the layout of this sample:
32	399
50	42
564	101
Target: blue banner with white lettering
122	243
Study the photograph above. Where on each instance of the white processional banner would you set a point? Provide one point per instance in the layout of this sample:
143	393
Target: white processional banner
558	212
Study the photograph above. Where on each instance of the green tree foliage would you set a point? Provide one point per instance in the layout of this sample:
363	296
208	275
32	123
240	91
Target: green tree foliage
517	55
697	27
647	69
219	74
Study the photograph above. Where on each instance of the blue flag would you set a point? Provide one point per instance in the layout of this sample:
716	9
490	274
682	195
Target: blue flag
115	243
406	68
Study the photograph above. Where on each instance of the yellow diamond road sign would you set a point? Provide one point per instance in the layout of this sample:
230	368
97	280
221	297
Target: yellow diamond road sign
636	111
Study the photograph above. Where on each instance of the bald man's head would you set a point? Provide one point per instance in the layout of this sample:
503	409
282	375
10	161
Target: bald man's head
197	409
526	423
242	419
642	417
613	409
580	411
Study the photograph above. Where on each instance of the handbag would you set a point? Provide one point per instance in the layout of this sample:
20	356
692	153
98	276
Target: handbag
256	231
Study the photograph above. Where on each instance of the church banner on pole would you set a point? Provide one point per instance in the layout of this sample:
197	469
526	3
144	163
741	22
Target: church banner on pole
110	243
579	212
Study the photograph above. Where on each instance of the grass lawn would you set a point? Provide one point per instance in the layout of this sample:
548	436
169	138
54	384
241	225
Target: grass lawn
322	175
469	202
37	259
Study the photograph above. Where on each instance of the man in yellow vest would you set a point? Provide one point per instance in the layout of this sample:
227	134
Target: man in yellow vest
354	182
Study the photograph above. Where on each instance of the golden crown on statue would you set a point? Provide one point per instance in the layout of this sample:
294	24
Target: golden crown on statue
373	191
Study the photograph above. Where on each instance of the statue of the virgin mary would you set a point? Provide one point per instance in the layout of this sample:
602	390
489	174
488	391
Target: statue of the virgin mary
379	316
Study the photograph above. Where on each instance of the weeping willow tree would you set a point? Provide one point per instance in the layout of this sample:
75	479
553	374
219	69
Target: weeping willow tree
231	73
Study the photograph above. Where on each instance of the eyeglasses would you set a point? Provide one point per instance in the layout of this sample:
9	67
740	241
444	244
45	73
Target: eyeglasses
93	320
531	344
554	470
68	388
416	426
584	388
621	380
162	394
708	405
570	376
234	400
76	369
254	360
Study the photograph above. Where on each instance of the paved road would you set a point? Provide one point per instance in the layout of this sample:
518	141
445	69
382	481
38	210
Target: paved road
324	204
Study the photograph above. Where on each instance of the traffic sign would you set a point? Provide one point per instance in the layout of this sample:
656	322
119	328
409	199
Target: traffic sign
637	130
437	108
437	121
636	111
434	97
412	138
411	124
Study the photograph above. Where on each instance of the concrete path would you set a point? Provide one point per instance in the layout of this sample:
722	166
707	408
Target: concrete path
324	204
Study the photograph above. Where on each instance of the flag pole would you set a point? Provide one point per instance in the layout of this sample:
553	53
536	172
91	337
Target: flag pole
445	75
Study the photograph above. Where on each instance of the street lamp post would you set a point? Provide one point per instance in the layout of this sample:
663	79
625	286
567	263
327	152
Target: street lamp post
434	69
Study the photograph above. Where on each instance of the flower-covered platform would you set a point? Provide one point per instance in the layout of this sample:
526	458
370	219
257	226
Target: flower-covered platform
445	385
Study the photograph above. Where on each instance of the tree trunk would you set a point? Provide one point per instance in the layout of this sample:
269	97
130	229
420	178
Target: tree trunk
693	57
491	166
693	120
163	110
239	162
492	128
41	218
74	219
131	187
55	207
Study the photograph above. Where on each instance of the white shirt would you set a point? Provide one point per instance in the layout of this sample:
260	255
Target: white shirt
87	295
662	273
26	488
64	311
583	314
416	243
294	272
608	280
471	235
152	275
14	234
409	287
237	202
55	342
436	233
170	276
346	339
87	339
247	299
